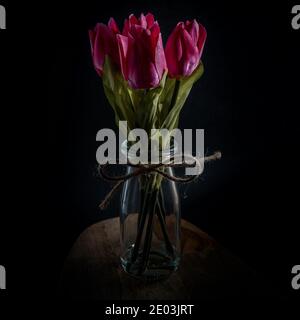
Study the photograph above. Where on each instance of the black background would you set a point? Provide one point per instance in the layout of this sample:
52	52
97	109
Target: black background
53	104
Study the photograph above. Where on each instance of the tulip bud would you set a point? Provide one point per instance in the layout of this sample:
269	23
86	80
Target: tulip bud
141	52
103	42
184	48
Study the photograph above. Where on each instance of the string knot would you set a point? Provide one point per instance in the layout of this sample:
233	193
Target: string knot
149	168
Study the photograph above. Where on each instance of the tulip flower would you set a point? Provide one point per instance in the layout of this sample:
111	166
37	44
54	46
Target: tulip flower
135	59
142	56
104	42
184	48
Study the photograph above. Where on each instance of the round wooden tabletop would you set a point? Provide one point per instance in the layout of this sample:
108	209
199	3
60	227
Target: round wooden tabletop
207	270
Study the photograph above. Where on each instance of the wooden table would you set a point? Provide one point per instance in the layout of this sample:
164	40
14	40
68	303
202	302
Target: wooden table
207	270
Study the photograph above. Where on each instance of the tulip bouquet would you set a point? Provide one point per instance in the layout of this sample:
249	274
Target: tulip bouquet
147	85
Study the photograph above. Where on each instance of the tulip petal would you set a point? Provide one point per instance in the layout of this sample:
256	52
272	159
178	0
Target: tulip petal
184	48
160	59
136	31
150	20
140	47
143	21
100	46
123	44
133	20
125	30
190	54
201	39
143	76
155	31
173	52
113	25
193	30
178	43
92	40
142	71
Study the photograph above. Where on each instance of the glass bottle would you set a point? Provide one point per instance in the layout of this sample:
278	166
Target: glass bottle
150	224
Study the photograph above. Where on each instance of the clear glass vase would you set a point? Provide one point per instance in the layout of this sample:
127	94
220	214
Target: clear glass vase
150	225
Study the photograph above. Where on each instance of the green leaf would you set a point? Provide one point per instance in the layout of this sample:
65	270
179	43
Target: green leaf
116	91
176	96
146	105
153	108
165	99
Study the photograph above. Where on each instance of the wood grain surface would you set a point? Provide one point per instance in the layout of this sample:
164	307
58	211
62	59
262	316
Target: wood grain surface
207	270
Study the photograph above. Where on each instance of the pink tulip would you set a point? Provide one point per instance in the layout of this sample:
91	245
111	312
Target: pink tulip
104	42
141	52
184	48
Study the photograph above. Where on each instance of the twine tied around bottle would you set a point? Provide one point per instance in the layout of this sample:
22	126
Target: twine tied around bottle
149	168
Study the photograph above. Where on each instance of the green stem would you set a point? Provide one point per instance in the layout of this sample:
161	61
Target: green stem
148	236
175	94
152	202
162	221
162	201
141	225
141	203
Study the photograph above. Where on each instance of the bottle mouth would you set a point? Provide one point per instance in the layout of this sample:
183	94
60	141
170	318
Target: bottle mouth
153	151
